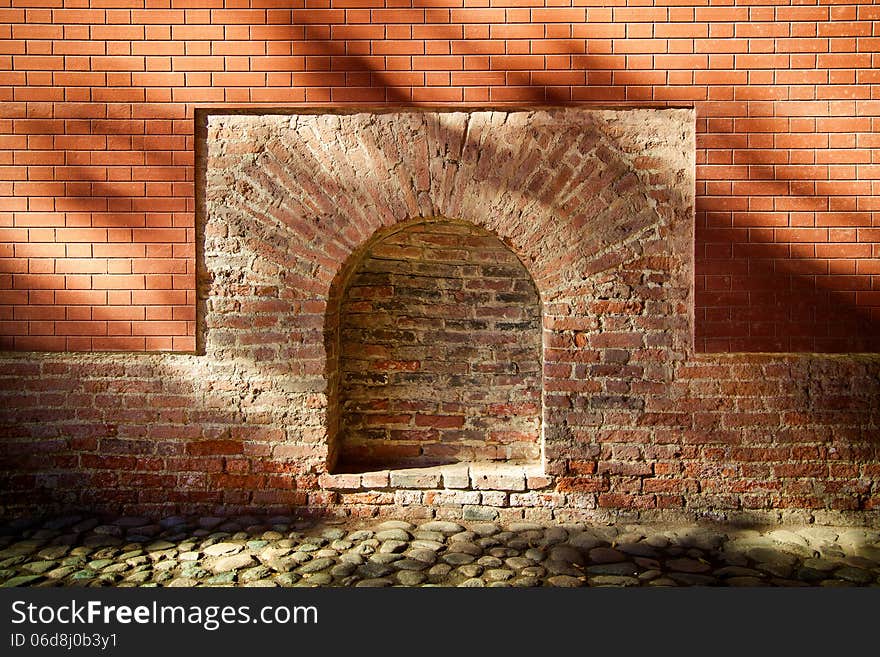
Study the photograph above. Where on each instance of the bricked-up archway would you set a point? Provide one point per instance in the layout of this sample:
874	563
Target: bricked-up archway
440	350
596	204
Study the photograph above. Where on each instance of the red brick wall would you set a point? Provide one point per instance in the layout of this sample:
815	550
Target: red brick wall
441	352
97	141
634	423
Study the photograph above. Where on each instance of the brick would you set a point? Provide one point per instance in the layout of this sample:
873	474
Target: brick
375	479
457	477
414	479
510	481
340	481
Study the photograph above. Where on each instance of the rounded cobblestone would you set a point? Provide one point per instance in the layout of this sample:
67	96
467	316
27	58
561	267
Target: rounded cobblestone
248	551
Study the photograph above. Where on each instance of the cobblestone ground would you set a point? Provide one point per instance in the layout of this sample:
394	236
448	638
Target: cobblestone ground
280	551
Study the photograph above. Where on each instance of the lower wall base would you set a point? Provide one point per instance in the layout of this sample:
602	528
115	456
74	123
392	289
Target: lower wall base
774	438
754	518
404	506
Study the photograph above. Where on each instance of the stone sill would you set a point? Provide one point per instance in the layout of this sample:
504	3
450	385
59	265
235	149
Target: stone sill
484	476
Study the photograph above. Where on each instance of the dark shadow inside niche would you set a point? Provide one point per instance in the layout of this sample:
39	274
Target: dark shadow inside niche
434	352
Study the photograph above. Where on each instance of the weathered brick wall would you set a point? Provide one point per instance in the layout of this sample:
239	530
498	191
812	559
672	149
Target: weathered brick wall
441	351
597	209
97	100
738	437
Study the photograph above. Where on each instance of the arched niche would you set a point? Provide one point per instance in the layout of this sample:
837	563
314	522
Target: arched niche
434	352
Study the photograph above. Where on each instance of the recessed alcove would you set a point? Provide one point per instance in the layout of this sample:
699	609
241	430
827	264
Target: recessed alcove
439	349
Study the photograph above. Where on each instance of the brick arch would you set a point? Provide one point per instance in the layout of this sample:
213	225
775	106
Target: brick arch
562	187
597	208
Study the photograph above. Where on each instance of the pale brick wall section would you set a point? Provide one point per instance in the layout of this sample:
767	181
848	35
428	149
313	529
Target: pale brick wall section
441	351
596	205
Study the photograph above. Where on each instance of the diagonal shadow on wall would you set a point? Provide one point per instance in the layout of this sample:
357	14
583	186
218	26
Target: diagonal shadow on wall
777	276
